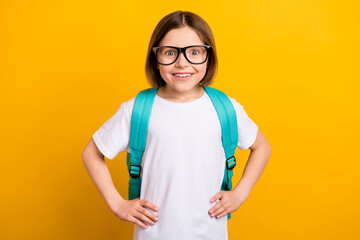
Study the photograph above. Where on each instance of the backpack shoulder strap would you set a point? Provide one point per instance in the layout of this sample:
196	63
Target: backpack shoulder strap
229	132
138	133
227	116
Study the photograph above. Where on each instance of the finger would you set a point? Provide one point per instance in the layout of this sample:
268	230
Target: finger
217	212
223	214
138	222
216	197
149	214
149	205
143	218
220	208
214	208
223	210
218	205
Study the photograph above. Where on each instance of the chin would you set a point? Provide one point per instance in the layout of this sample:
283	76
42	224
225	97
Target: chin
185	87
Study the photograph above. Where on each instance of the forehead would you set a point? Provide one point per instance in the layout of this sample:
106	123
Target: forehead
181	37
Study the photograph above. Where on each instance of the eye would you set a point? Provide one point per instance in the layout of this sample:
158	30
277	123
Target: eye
194	51
169	53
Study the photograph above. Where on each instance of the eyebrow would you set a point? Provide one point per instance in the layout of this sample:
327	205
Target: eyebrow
182	47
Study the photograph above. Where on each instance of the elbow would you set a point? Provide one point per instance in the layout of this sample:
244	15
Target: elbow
265	149
90	151
268	150
84	154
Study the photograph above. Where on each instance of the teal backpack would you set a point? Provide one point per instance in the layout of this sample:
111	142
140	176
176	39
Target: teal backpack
139	126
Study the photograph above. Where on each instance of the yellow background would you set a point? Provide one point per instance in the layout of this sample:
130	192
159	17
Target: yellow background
66	66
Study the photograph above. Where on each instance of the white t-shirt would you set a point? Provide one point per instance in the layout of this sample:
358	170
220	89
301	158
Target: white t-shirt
183	164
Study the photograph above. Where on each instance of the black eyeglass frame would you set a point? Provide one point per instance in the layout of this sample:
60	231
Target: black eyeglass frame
182	50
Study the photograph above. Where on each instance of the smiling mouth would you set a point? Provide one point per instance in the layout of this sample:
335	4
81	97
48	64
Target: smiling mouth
182	75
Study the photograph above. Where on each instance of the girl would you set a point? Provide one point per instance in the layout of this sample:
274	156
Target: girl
183	163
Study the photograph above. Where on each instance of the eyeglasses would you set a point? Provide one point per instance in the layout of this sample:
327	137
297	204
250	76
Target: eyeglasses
195	54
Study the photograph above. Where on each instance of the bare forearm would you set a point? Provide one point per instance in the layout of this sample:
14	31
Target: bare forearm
100	175
254	167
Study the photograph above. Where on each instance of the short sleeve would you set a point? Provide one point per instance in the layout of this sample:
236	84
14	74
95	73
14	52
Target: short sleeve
247	129
113	136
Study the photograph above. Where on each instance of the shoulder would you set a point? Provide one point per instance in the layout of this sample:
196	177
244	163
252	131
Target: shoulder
128	105
235	103
125	110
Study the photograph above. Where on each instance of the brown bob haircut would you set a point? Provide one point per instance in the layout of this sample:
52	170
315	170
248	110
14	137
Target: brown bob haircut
176	20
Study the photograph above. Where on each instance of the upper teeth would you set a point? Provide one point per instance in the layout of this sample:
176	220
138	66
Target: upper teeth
182	75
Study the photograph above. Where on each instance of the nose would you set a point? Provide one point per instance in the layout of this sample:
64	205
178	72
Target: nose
181	61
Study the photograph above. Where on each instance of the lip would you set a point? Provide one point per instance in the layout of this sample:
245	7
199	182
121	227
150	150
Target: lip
182	78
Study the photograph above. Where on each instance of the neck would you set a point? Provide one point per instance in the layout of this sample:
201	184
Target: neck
169	94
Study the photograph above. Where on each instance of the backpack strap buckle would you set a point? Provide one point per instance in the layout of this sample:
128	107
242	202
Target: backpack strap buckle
231	162
135	171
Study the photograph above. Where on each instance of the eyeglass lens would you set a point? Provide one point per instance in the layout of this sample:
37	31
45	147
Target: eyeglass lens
167	55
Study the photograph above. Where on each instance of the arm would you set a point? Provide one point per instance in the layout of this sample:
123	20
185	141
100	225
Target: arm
95	165
131	211
258	158
230	201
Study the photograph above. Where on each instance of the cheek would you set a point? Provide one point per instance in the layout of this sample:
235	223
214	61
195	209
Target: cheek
203	69
163	69
164	73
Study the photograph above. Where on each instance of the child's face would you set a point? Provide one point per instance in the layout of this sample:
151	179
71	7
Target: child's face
182	37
